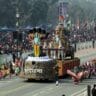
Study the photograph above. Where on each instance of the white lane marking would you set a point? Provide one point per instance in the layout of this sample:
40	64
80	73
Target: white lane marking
9	81
41	91
20	86
82	94
78	92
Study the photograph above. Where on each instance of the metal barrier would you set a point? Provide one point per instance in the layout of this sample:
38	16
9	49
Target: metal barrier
85	45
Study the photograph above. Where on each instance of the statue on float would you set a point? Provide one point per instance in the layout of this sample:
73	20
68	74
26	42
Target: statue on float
36	45
57	42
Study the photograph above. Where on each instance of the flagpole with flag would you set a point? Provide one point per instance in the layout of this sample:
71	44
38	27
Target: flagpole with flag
61	18
62	11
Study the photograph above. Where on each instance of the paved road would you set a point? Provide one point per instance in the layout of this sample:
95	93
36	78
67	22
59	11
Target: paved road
86	55
19	87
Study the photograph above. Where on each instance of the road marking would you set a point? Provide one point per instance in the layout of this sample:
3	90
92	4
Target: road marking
42	91
83	94
21	86
35	94
79	92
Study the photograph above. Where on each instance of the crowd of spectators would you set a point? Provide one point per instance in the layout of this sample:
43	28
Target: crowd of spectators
82	33
9	44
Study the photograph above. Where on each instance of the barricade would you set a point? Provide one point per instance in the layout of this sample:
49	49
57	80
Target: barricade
84	45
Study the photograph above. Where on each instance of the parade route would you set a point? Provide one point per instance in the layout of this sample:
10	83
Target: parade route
20	87
85	52
86	55
17	86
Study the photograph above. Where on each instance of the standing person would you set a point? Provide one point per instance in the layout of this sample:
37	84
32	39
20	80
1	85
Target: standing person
94	90
56	74
18	65
11	70
13	56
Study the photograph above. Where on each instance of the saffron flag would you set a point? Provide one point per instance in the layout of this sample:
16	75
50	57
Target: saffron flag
61	18
62	11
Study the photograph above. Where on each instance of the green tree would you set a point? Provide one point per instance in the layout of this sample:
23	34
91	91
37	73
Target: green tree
34	12
6	13
52	15
39	12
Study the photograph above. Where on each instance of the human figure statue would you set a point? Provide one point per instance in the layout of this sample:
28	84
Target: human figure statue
36	43
58	40
44	45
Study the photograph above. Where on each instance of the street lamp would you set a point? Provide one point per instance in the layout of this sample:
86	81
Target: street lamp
17	18
17	27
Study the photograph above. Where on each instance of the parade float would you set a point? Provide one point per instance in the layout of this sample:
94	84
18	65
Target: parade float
49	52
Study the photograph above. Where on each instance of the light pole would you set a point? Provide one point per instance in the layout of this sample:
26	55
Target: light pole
17	27
17	18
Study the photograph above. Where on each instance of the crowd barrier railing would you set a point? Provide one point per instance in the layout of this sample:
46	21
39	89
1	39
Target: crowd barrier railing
85	45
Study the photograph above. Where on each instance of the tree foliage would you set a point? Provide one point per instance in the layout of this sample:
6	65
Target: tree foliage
39	12
35	12
82	10
6	13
